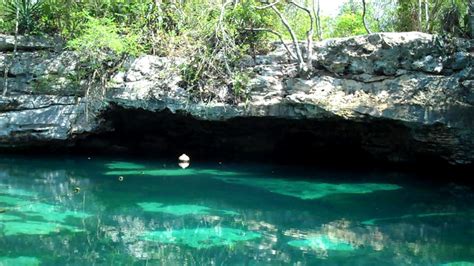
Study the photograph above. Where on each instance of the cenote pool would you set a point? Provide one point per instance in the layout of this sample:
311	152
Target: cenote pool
101	211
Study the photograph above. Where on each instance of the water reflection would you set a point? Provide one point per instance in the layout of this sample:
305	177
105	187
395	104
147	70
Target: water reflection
221	217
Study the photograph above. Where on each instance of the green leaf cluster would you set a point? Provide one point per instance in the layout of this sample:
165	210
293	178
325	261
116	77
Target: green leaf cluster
103	34
27	12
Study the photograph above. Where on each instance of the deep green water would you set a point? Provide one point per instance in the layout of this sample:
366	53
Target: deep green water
121	212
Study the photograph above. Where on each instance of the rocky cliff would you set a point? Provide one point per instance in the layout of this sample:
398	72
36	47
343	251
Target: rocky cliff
391	97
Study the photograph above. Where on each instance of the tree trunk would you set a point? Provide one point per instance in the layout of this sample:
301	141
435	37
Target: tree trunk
309	36
299	55
420	16
427	16
363	17
15	46
304	66
471	17
317	19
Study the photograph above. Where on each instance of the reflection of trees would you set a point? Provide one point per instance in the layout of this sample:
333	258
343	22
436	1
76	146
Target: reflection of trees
52	186
399	243
128	230
113	234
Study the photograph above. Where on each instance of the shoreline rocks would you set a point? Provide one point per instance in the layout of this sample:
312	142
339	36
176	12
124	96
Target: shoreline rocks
406	96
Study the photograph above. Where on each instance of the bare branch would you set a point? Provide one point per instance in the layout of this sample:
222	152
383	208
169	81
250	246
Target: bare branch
220	26
268	6
309	33
316	11
363	17
420	17
279	37
292	34
15	47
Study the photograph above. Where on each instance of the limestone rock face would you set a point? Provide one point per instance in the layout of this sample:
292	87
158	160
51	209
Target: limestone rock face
30	120
418	83
26	43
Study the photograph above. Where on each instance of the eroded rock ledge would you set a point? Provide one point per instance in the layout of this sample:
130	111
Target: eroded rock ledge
392	97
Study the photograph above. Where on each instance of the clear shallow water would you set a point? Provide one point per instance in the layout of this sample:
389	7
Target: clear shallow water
122	212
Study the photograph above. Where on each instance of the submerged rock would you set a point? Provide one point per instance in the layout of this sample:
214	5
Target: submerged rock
458	263
306	190
323	243
23	261
14	228
125	166
26	215
202	238
443	215
182	209
391	97
171	172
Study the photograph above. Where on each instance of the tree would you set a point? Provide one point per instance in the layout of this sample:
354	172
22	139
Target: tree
433	16
7	67
407	16
364	9
349	21
420	16
317	17
304	62
471	18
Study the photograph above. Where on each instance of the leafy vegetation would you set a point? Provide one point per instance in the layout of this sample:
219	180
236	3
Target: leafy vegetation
157	24
214	34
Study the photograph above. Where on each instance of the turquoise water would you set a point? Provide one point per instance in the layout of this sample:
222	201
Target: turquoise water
101	211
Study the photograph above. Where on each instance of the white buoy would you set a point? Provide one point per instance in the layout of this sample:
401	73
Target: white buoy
184	158
184	165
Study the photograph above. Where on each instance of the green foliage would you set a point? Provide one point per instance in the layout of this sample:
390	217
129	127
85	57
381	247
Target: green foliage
103	34
63	17
349	21
445	17
348	25
239	85
221	35
407	15
54	84
193	73
299	21
245	17
29	11
213	37
6	25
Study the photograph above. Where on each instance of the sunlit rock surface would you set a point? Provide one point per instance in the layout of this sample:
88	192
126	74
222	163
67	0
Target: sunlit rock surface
396	97
7	43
